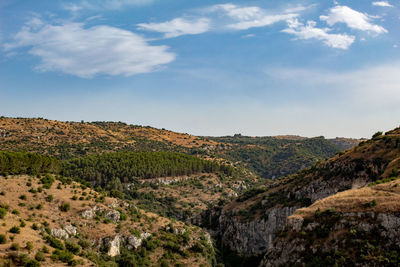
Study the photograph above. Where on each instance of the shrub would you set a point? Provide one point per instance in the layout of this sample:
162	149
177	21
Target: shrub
65	206
3	239
54	242
377	134
3	213
49	198
16	212
62	255
47	181
32	263
71	246
40	256
29	246
22	197
15	230
14	246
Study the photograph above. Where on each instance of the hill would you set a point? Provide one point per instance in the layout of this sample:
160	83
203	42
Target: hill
267	157
54	221
358	227
70	139
248	224
274	157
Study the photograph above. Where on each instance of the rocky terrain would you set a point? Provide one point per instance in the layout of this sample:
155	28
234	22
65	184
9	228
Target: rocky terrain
248	225
55	221
358	227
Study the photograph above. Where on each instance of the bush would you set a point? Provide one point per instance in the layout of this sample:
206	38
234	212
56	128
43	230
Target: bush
49	198
40	256
14	246
62	255
32	263
74	248
3	239
3	213
54	242
65	207
377	134
29	246
15	230
47	181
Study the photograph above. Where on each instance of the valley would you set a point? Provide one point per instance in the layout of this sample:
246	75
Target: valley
215	201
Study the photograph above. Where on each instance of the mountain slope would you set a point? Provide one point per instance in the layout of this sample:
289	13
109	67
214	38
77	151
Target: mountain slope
268	157
358	227
79	226
248	224
69	139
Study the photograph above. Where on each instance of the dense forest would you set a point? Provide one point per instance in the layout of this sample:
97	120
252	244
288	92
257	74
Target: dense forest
126	167
272	157
27	163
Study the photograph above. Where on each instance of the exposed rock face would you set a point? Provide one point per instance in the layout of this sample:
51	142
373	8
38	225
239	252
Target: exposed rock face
91	212
59	233
383	229
134	242
112	245
252	238
113	215
71	230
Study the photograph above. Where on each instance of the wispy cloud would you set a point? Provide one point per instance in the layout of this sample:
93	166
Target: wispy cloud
251	16
366	87
309	31
382	4
85	52
104	4
178	27
352	18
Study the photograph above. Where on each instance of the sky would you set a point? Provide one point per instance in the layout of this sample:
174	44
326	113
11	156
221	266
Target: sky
202	67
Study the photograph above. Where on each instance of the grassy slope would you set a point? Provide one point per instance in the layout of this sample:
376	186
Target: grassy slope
13	187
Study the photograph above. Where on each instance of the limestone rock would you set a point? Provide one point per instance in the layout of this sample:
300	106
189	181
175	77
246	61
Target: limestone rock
113	215
59	233
71	230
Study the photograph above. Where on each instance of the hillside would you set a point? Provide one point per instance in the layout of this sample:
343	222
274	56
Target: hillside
274	157
69	139
248	225
60	222
358	227
267	157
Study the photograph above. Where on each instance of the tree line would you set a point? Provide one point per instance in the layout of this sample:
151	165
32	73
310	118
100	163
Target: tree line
129	166
14	163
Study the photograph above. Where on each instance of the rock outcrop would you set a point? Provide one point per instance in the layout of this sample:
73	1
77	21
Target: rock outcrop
59	233
253	237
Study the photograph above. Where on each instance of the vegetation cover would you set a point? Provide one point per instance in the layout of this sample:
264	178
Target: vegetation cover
128	167
27	163
272	157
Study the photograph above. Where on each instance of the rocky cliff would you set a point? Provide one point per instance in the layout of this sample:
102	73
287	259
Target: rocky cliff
356	227
248	224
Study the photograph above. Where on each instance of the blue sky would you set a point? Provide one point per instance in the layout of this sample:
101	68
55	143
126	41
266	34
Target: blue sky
309	68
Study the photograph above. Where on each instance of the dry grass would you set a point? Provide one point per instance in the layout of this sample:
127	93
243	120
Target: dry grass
386	196
15	186
30	132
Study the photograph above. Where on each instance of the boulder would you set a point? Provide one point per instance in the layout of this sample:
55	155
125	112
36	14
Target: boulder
59	233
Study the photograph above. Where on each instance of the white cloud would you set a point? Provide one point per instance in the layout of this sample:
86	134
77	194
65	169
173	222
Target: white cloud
86	52
352	18
251	16
382	4
178	27
309	31
104	4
